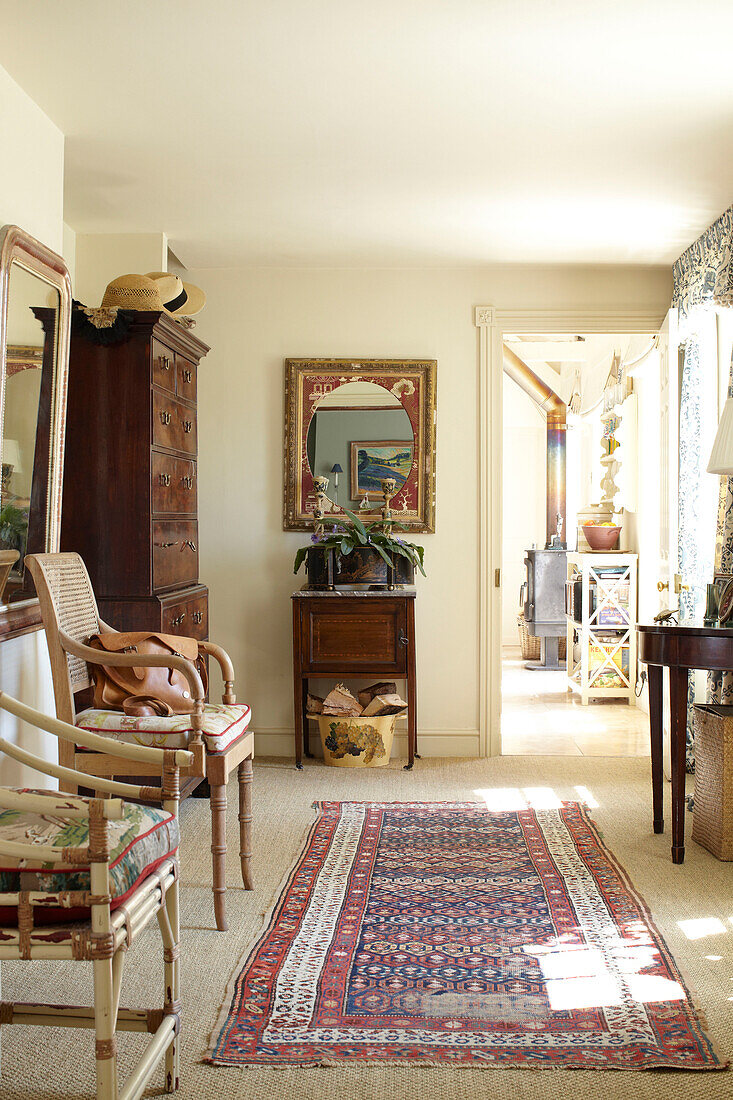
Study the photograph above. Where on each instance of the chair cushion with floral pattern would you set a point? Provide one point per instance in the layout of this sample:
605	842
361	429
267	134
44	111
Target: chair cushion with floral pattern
223	725
140	841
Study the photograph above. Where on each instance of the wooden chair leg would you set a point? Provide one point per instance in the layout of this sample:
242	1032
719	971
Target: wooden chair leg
169	921
104	1028
244	775
218	799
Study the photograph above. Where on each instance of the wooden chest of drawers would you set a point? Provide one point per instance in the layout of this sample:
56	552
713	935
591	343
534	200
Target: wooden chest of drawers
130	503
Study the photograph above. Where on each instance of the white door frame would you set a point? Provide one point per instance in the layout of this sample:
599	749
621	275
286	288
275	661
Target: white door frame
492	325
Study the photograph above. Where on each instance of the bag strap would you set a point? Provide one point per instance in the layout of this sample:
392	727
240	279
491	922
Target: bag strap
145	706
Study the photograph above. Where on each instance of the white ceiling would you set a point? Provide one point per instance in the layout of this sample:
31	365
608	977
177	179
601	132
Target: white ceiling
387	132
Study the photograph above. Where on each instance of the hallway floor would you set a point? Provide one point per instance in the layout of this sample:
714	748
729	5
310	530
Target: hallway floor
542	717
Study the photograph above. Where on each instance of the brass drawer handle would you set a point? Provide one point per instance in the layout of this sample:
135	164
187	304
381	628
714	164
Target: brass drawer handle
165	418
165	363
402	638
187	482
165	479
178	620
187	376
187	425
188	543
197	616
166	545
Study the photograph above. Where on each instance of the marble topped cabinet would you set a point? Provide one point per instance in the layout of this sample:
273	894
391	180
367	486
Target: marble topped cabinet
350	632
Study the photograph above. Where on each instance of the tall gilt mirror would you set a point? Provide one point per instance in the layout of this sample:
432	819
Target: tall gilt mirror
356	423
35	313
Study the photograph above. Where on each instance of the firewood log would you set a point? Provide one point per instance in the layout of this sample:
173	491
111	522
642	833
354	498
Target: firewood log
384	704
314	704
341	702
386	687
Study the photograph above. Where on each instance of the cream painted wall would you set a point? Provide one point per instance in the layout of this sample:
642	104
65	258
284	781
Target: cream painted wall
31	166
253	320
31	196
101	257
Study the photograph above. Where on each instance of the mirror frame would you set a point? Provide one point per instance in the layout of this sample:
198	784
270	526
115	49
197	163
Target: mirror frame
18	247
405	379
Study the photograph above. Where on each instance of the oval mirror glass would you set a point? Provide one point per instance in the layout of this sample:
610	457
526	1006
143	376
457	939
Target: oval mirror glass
360	434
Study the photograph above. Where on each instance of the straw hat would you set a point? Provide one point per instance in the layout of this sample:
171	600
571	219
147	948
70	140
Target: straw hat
181	299
133	292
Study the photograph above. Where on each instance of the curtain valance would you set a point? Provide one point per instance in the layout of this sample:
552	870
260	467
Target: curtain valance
703	275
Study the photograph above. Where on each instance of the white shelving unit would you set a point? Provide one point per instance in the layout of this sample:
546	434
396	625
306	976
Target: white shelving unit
601	650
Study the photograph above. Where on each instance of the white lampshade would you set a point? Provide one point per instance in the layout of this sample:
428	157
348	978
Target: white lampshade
721	456
11	455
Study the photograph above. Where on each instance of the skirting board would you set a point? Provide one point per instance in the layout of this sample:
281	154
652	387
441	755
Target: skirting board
279	742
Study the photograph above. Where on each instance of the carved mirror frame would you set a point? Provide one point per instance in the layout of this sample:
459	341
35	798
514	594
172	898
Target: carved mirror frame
21	249
411	381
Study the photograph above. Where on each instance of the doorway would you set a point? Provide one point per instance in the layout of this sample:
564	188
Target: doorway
592	385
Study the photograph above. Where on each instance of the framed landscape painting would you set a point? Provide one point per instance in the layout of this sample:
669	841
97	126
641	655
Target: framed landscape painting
374	460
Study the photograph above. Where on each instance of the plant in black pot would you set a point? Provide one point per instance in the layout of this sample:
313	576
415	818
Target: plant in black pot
356	553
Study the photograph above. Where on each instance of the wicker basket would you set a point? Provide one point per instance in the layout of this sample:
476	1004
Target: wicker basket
531	646
712	817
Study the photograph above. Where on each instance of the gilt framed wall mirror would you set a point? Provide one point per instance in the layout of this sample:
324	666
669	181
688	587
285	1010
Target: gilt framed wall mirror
35	318
357	422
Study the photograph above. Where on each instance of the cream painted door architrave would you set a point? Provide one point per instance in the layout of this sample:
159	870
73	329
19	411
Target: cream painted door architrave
492	325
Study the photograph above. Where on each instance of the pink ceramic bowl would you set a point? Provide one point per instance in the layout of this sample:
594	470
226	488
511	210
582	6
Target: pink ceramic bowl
601	538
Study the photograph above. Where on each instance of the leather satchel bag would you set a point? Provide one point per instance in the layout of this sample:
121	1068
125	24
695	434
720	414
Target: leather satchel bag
144	691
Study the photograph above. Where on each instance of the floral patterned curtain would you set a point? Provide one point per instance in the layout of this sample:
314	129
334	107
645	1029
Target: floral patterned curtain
703	280
703	275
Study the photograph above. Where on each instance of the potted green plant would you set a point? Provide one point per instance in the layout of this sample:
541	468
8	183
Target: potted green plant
13	527
356	553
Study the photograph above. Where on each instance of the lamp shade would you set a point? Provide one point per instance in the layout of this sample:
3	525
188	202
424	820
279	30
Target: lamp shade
721	456
336	469
11	455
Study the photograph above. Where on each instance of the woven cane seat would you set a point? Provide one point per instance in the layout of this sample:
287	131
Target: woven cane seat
140	842
223	725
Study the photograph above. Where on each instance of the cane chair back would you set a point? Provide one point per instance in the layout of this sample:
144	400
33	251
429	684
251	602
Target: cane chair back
67	604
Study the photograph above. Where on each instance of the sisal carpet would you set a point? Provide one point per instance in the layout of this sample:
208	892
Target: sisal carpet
692	906
442	933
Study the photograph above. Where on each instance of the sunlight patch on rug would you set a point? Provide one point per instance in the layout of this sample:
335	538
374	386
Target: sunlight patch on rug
450	934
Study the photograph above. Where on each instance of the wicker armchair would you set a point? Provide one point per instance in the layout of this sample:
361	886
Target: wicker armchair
65	866
217	735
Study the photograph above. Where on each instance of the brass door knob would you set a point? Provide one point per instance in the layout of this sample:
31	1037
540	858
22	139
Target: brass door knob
661	585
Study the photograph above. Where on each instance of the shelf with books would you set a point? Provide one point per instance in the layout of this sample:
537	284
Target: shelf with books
601	621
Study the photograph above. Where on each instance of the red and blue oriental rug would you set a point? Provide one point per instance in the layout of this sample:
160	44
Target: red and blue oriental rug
445	934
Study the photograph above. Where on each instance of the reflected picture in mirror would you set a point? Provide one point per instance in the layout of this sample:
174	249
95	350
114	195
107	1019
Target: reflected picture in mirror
357	423
36	303
364	429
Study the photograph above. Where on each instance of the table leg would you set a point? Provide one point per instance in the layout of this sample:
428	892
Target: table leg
297	687
655	675
411	687
678	681
304	710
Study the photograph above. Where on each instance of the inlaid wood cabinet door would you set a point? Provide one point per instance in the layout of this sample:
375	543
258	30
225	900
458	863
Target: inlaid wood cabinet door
346	638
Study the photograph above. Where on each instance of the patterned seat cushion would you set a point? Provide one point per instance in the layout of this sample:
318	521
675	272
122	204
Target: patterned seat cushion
223	725
140	842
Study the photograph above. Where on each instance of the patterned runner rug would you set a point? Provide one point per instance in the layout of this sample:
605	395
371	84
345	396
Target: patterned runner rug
441	933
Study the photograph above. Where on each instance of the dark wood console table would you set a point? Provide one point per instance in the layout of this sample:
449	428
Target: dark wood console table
353	633
678	648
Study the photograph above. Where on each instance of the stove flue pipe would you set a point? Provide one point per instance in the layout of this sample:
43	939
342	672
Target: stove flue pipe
556	410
